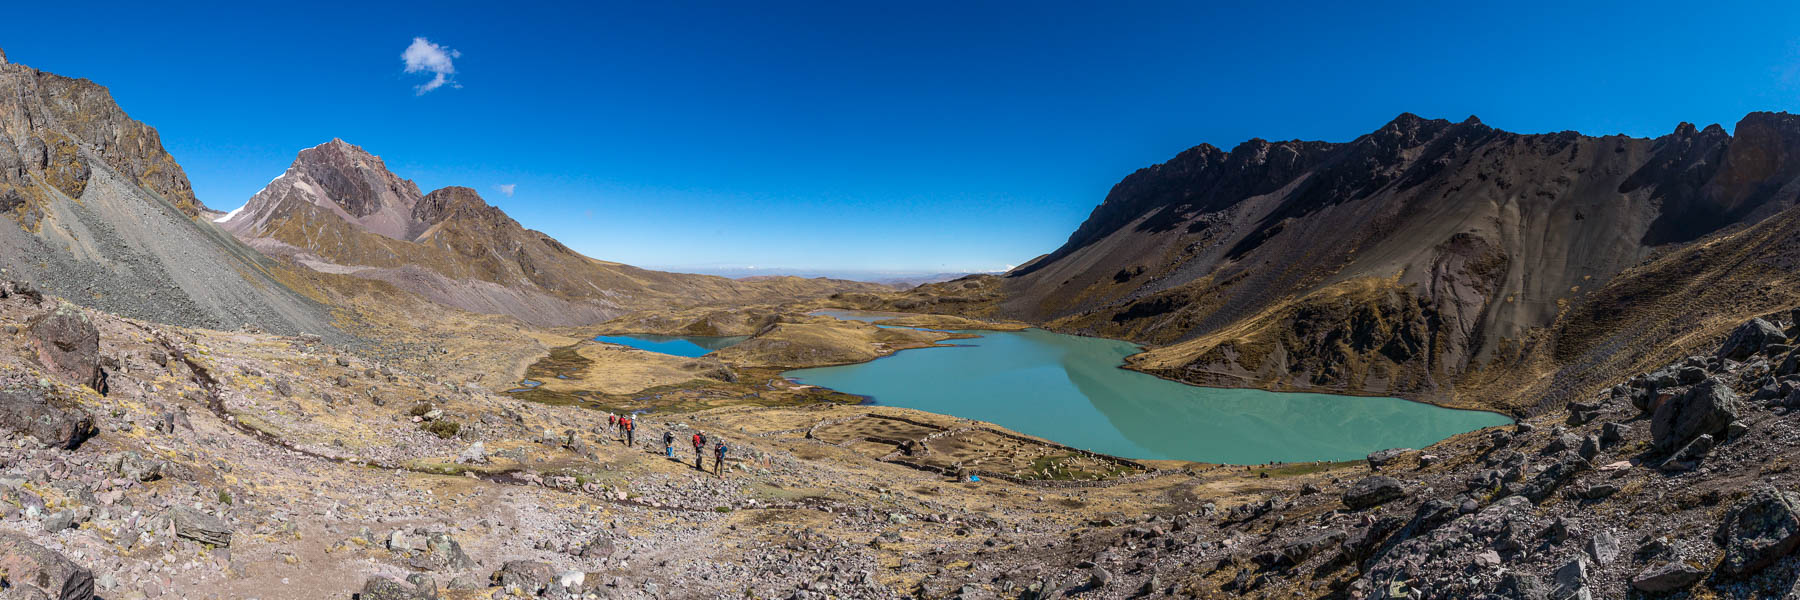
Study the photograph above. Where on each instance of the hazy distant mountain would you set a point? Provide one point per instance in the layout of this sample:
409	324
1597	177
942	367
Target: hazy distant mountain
102	215
890	278
913	280
338	209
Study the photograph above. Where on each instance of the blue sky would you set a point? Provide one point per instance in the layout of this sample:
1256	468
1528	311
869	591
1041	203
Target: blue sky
909	136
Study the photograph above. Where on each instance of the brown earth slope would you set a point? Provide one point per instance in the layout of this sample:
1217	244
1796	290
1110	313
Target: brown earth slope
338	209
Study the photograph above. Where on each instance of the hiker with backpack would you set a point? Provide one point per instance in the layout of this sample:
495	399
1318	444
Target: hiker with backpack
669	443
630	432
699	447
719	458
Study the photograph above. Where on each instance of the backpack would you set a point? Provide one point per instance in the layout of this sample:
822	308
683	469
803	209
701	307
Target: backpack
721	450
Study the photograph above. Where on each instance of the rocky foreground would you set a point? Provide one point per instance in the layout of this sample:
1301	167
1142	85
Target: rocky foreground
142	461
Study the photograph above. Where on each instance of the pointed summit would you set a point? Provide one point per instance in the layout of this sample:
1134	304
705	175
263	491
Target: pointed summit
344	179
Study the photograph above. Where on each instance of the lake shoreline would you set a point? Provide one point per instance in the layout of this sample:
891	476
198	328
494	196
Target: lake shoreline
1129	365
1088	395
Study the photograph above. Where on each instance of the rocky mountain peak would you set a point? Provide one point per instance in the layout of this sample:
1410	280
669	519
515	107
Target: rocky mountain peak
340	178
2	56
357	180
446	203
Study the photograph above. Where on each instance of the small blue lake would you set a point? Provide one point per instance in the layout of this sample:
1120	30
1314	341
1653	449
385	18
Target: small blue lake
1070	389
678	345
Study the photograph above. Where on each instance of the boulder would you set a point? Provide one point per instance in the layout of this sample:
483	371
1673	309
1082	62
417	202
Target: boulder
1612	433
601	547
529	576
1667	576
1298	551
475	454
1689	456
1562	443
440	552
382	588
1363	542
1552	477
1571	579
1750	338
1372	491
30	566
31	411
200	527
68	345
1523	587
1603	547
1706	408
1759	530
1381	458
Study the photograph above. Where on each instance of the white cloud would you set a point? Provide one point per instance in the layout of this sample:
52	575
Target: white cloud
506	189
425	57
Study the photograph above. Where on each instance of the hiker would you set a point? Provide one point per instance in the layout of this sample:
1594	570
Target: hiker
669	443
612	421
630	432
719	458
699	446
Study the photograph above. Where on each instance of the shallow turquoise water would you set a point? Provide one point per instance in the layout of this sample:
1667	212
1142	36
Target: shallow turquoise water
1069	389
678	345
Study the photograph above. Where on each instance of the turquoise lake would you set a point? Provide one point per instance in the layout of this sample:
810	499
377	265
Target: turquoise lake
1070	389
678	345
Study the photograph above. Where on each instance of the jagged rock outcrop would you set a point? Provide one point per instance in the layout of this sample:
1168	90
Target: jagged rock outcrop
98	212
338	209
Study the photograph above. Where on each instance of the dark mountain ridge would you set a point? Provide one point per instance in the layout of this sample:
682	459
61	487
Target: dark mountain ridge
1400	262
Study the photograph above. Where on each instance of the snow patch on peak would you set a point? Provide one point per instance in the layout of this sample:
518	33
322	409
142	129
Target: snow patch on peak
234	212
